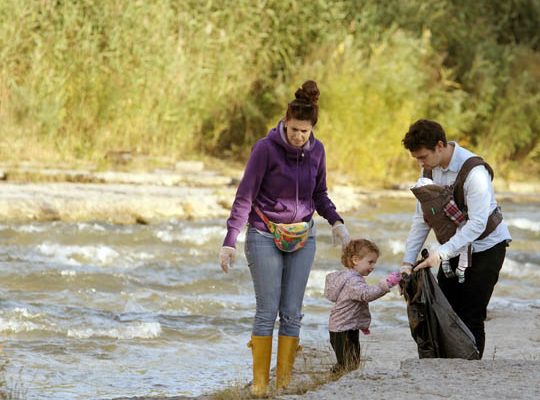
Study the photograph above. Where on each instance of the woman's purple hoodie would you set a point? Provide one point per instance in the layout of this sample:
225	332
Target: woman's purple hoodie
287	183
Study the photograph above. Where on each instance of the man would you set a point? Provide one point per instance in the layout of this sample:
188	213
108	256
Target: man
483	230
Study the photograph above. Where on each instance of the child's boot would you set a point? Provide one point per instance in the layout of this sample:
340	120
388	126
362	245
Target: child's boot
287	348
261	349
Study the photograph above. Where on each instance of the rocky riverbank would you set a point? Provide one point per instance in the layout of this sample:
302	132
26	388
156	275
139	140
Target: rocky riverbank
185	190
509	370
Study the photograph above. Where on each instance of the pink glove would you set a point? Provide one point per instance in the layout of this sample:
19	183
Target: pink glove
365	331
393	279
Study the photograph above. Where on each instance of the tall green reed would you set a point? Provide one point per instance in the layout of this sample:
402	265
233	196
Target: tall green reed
78	79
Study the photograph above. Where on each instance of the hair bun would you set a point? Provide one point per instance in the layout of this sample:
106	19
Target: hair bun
309	92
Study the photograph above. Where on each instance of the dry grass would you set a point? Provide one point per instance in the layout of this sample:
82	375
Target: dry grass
312	370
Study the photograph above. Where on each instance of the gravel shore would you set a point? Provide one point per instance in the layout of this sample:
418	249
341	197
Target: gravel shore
510	368
187	191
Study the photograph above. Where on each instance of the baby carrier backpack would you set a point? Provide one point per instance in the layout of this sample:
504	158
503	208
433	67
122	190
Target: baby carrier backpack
444	207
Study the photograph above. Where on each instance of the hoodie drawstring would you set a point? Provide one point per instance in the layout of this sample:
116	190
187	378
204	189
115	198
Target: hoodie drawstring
297	184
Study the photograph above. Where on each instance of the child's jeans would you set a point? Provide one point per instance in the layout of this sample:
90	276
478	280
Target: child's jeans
279	280
346	345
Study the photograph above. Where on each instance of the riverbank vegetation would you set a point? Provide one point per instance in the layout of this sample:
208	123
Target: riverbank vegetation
189	79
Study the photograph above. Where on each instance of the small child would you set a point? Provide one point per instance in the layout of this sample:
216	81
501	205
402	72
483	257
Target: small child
349	290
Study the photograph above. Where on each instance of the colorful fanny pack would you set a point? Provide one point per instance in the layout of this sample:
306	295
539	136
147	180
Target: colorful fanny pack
287	237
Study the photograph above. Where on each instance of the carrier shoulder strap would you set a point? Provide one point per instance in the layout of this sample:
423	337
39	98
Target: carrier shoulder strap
261	215
495	217
468	165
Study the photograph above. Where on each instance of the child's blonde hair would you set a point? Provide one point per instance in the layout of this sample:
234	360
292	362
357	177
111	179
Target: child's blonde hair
360	248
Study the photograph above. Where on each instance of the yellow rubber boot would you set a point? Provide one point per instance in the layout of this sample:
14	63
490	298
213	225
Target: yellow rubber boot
261	349
287	348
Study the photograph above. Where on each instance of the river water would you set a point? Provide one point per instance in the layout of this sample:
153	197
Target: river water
92	310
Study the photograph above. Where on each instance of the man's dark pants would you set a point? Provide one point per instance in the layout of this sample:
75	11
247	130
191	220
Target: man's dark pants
470	298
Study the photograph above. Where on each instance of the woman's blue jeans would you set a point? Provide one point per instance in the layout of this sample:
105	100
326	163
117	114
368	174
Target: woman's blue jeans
279	280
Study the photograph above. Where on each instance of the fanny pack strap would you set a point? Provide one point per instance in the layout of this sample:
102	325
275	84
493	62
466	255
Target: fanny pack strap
264	218
270	224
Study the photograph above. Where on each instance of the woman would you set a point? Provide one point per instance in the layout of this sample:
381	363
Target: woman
284	182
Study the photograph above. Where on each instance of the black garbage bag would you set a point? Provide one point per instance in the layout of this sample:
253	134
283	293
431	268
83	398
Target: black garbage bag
435	327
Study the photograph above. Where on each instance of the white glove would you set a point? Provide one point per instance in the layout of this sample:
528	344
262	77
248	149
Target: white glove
226	257
340	235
